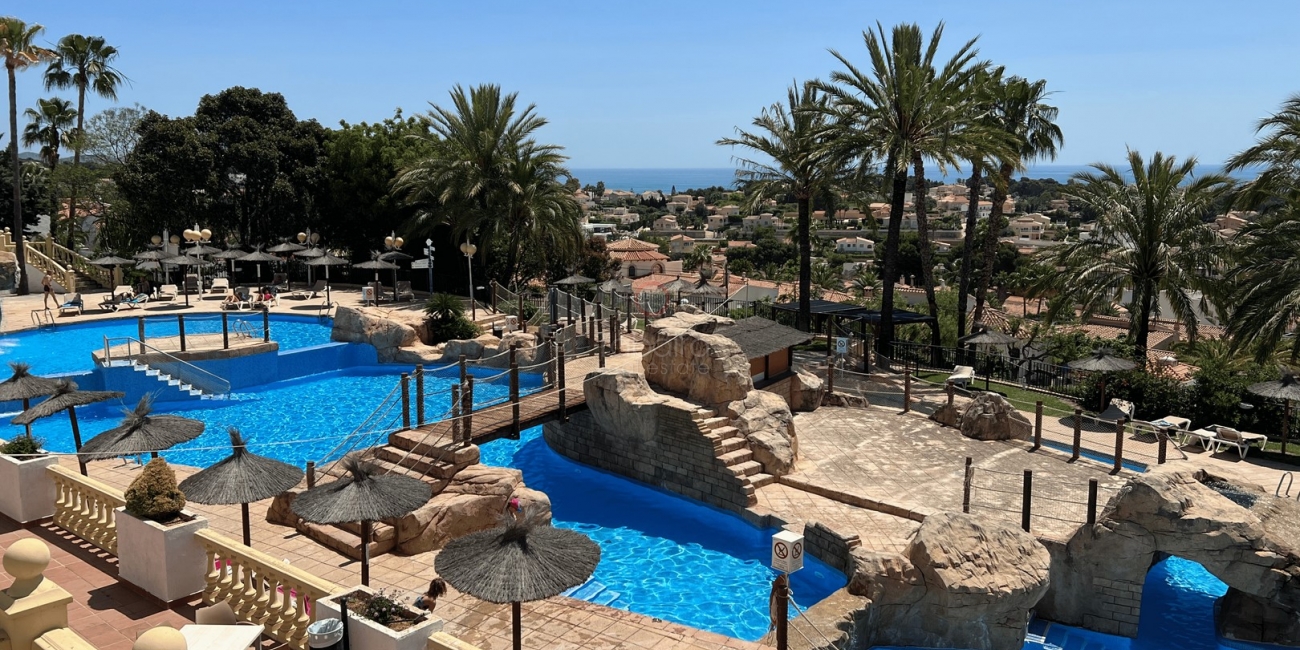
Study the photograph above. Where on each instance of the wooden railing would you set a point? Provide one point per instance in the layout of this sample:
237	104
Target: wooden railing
85	507
262	589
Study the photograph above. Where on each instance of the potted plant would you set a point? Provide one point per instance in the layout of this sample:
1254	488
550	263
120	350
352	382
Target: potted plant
156	547
26	490
380	621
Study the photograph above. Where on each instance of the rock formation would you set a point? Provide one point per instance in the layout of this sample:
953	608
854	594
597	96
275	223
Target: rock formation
766	422
397	334
986	416
958	584
684	356
806	391
621	401
1244	536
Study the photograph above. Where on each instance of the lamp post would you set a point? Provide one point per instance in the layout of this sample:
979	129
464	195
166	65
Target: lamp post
199	237
394	243
469	249
428	254
308	238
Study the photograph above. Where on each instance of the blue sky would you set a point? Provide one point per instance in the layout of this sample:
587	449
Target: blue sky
654	84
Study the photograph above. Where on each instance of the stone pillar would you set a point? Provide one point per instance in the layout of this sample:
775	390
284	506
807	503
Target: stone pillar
32	605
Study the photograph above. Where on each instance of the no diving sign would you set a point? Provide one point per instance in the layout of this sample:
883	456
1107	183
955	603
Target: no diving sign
787	551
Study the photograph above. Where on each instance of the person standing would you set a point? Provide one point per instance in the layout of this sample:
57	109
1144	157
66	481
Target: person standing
47	288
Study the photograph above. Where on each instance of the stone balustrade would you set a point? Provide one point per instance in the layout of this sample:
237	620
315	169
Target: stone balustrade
85	507
262	589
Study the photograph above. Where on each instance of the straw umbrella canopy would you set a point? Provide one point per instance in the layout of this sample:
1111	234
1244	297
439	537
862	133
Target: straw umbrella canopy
527	559
310	253
67	397
326	260
23	385
575	280
110	260
394	256
230	254
242	477
1101	360
286	247
154	255
1286	389
613	286
259	257
148	265
986	337
363	497
378	265
202	249
142	432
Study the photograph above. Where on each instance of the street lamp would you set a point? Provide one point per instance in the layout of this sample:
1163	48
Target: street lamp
199	237
428	254
394	243
469	249
308	238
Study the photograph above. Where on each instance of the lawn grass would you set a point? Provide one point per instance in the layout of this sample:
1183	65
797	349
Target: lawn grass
1019	397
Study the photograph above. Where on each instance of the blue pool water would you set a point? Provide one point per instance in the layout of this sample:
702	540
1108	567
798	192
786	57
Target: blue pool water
67	347
663	555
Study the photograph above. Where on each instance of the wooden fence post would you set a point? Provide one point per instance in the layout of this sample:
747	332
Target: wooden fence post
1119	447
455	413
464	372
1038	425
406	400
225	331
523	322
514	388
1092	501
1078	434
140	327
907	389
1026	499
266	324
564	415
467	408
966	485
180	323
311	474
629	313
419	394
948	387
1163	449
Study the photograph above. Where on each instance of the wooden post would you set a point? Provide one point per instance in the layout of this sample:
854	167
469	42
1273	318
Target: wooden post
76	439
1286	425
966	484
1038	425
493	296
781	590
464	372
365	553
248	534
599	322
266	324
225	331
830	375
180	323
1162	450
1078	434
467	398
551	377
516	626
949	388
1026	499
455	413
1092	501
629	313
406	401
866	347
600	353
419	394
523	322
311	474
564	415
907	389
140	327
514	389
1119	447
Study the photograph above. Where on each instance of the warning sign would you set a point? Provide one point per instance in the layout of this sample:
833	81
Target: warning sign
787	551
841	345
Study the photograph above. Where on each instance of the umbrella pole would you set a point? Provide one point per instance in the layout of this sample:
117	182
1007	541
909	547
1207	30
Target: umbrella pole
1286	424
27	427
1103	394
76	439
365	553
248	537
517	632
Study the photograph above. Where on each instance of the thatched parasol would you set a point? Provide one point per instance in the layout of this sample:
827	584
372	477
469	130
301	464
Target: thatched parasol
326	260
525	560
142	432
574	280
110	260
242	477
23	385
1286	389
258	257
986	337
310	253
286	247
67	397
202	249
186	260
362	497
154	255
230	254
1101	360
613	286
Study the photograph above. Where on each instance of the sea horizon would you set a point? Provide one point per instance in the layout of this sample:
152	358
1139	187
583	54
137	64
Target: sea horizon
664	179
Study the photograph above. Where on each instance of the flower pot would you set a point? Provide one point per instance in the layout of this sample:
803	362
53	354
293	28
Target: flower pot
26	489
165	560
365	633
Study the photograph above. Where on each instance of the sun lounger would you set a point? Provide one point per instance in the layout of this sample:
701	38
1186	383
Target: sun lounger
220	285
280	281
123	291
138	300
403	292
72	303
309	294
1209	439
1230	438
168	292
962	376
192	284
1160	430
1117	411
240	299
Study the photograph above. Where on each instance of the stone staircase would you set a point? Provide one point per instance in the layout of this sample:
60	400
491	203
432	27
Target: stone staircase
407	452
730	447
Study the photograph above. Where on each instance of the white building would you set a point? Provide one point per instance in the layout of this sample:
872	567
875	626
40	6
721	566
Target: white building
666	222
855	246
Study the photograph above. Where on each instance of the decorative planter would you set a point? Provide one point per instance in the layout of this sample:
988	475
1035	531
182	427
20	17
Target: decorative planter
365	633
26	489
165	560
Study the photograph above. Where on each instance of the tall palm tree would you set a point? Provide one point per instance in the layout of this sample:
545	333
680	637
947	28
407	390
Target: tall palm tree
1149	240
542	214
84	63
1019	112
1261	287
49	125
1278	152
794	136
17	46
909	107
984	84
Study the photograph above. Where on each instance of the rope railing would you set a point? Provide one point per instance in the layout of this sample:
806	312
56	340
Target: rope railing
385	406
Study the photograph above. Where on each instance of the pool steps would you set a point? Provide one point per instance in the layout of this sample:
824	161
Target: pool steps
730	447
594	591
172	381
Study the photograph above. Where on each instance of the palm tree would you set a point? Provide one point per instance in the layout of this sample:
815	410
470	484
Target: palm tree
1261	287
1019	111
542	214
19	50
49	125
1278	152
793	135
1149	240
985	85
83	62
909	107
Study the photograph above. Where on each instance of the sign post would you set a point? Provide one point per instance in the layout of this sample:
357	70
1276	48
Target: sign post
841	345
787	557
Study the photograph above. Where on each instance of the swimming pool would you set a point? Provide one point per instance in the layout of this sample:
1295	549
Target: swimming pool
66	347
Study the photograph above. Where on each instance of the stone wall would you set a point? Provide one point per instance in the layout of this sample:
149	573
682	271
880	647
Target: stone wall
829	546
674	456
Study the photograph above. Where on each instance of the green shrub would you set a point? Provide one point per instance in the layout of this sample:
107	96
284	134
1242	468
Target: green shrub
153	494
1155	395
447	320
22	446
382	609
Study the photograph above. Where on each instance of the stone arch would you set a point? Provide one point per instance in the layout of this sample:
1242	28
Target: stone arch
1245	537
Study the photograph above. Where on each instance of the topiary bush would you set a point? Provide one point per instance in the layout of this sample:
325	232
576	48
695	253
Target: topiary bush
153	494
22	446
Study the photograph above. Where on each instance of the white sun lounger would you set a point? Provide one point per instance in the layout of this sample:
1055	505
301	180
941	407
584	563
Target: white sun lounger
1230	438
168	292
962	376
220	285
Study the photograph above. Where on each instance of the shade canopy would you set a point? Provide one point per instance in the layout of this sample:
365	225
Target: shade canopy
1286	388
325	259
184	260
362	496
258	256
229	254
202	249
677	285
309	253
706	289
1101	360
154	255
286	247
24	385
575	280
376	265
148	265
522	561
111	260
142	432
394	256
987	337
241	477
65	396
614	286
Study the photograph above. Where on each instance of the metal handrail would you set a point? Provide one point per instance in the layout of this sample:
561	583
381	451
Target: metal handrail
1289	480
172	366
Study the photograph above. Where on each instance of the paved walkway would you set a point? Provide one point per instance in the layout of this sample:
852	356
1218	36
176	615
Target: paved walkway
876	530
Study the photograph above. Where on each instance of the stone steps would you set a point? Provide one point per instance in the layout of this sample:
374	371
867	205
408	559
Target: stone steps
424	465
347	542
729	445
736	456
747	468
760	480
714	423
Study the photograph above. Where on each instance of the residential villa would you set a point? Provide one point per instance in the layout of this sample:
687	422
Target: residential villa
717	222
680	244
676	207
1031	226
666	222
764	220
855	246
637	258
685	199
729	210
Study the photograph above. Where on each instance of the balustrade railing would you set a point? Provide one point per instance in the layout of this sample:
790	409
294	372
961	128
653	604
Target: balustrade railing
70	259
261	589
84	507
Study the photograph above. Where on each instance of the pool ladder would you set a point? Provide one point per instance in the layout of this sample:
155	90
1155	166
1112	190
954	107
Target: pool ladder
1286	479
42	318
